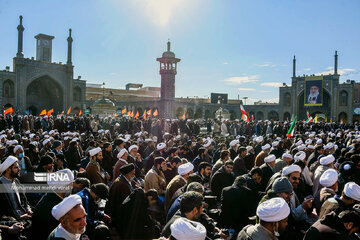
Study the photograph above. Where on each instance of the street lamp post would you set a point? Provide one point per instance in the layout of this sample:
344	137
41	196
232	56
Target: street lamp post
245	100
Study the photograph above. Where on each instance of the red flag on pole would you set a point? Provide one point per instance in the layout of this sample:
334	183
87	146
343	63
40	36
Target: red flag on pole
137	115
244	116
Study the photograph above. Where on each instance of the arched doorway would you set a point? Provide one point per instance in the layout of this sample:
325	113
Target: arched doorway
273	115
179	112
189	113
8	89
44	93
33	110
208	114
287	116
198	113
259	116
343	117
76	110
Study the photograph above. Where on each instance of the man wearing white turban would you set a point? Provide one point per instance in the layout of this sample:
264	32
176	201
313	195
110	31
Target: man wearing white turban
329	181
72	217
349	196
273	215
95	172
13	203
326	162
259	160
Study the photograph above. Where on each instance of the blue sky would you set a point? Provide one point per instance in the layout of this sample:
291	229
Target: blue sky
237	47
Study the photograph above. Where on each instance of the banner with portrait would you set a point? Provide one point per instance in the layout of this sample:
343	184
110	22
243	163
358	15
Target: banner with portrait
313	93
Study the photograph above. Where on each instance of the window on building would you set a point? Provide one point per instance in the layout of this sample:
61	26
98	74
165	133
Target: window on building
343	98
8	89
287	99
77	94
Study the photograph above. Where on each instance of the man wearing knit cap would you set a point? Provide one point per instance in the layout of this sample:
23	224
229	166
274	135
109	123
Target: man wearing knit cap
120	189
72	217
326	162
177	182
90	199
329	181
95	172
283	162
273	215
349	196
184	229
267	170
259	160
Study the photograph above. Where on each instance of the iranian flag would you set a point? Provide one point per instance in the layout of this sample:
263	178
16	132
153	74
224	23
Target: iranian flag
309	118
244	116
292	128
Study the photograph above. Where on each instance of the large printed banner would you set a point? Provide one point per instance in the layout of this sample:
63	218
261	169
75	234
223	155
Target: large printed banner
313	91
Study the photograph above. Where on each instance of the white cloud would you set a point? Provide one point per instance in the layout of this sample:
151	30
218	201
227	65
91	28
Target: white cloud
114	74
241	80
271	84
341	71
225	63
247	89
307	69
267	64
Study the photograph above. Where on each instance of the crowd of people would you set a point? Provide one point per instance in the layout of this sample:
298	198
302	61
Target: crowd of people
177	179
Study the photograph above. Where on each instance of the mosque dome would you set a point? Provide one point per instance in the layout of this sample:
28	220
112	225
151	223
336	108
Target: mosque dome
103	106
104	102
168	54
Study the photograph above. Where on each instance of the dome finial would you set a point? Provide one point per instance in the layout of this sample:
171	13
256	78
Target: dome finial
168	45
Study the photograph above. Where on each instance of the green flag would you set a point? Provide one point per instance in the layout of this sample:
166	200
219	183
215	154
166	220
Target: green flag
292	128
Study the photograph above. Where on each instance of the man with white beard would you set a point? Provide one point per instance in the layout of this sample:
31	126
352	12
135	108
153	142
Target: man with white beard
314	95
72	217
